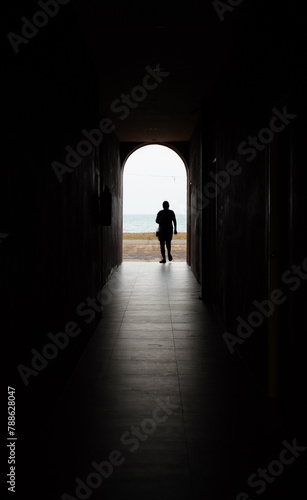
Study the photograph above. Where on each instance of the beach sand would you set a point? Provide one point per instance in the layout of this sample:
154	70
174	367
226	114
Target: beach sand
146	247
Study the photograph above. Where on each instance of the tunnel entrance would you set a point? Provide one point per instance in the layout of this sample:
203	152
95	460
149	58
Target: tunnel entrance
152	174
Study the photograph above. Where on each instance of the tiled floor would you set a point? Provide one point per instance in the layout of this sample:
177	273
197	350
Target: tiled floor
157	383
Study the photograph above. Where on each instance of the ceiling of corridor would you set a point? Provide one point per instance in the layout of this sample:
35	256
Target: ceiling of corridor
190	44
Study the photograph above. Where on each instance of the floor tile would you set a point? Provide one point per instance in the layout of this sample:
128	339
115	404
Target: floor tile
156	383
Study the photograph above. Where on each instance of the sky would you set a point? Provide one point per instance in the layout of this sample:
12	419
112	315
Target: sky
153	174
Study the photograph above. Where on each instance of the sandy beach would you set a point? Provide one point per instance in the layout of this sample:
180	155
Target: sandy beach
146	247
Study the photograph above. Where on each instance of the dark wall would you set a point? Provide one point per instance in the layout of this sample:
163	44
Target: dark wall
292	264
52	95
112	180
264	73
234	219
51	258
194	210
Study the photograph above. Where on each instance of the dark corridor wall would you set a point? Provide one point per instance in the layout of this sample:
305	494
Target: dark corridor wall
254	222
112	231
51	258
194	205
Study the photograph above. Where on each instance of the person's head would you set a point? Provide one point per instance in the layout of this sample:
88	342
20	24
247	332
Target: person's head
165	205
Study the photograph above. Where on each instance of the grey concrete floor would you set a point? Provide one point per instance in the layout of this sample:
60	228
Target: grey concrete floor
159	402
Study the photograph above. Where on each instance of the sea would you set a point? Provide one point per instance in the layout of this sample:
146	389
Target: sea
138	223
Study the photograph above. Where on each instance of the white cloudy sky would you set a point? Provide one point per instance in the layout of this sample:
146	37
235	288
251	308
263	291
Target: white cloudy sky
153	174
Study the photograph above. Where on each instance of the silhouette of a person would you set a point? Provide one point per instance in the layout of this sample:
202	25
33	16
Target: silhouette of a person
166	218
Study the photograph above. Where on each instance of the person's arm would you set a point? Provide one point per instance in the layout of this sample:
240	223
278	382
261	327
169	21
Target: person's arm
157	218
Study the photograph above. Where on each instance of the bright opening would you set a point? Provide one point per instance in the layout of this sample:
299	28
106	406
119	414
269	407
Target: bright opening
153	174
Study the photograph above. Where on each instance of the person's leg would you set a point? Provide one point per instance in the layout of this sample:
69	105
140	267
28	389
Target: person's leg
168	246
162	247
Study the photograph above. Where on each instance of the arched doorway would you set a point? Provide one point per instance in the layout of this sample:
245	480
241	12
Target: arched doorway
153	173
